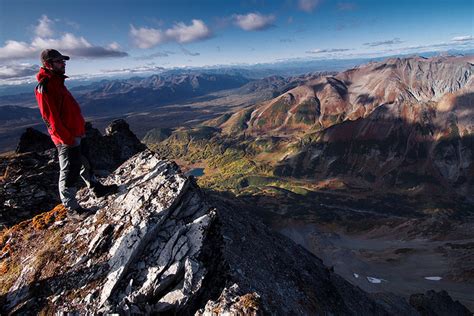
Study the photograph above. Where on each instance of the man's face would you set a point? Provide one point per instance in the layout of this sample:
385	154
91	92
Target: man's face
58	66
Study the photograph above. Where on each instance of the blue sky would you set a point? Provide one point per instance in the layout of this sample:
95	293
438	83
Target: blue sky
136	36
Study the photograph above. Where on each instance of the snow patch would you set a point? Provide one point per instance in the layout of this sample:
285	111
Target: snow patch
434	278
375	280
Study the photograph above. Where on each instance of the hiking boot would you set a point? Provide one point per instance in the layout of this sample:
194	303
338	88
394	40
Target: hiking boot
101	190
78	213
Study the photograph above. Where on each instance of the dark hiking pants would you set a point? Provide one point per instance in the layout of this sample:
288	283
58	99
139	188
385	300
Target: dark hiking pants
73	162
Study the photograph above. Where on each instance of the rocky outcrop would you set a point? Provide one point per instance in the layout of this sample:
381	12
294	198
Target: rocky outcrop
28	185
33	140
140	244
160	245
29	179
109	151
433	303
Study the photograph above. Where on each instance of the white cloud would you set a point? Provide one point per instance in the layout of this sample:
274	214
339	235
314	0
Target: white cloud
328	50
149	37
138	69
17	50
78	46
44	27
183	33
67	43
386	42
466	38
308	5
17	71
113	46
253	21
434	47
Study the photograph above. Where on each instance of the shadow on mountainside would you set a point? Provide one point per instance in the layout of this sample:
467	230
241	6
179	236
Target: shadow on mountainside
359	244
387	155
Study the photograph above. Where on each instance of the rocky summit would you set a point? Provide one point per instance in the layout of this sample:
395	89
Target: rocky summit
29	177
163	246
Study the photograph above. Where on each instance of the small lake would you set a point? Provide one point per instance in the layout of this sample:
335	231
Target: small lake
196	172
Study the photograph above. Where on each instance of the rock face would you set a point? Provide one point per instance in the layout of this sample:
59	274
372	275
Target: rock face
146	239
29	179
160	245
33	140
433	303
28	185
115	147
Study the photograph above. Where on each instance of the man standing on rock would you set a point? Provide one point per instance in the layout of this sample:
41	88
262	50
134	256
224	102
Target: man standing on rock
66	125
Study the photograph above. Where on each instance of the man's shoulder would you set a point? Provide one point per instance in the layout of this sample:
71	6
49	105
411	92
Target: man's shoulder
42	86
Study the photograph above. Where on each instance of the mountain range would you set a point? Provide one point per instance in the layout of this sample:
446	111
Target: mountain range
370	168
171	99
402	121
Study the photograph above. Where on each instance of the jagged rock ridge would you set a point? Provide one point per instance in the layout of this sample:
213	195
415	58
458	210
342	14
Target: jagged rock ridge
29	179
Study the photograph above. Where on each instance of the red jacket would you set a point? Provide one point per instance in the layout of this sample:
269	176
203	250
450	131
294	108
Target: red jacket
59	109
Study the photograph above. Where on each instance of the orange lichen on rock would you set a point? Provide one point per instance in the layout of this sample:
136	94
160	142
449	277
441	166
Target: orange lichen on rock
250	301
4	236
43	220
216	310
3	267
5	249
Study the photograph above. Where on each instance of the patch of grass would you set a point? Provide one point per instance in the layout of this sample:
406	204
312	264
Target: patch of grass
10	270
307	112
46	251
47	254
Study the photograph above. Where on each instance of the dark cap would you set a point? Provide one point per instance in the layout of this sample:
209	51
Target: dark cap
52	54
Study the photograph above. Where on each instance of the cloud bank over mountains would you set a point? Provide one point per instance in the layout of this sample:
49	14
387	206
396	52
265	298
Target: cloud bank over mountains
328	50
18	71
383	43
69	43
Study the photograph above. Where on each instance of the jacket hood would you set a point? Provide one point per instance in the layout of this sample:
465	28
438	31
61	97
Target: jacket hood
46	73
